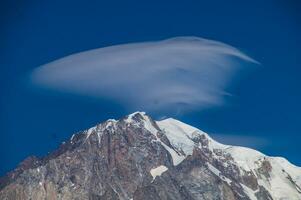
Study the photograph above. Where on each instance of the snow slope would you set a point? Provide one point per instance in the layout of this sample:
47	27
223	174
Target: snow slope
284	181
276	175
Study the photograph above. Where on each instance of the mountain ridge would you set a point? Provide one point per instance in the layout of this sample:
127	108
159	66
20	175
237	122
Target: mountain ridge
173	160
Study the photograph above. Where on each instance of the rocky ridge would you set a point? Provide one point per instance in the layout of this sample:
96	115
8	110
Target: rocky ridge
139	158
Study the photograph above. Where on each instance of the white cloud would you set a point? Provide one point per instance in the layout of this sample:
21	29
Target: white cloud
175	74
241	140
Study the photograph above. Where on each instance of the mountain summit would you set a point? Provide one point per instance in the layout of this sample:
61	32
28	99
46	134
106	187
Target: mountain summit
138	158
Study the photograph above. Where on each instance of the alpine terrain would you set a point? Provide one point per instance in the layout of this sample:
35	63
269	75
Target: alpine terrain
139	158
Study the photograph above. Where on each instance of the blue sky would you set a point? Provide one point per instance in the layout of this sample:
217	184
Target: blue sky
262	112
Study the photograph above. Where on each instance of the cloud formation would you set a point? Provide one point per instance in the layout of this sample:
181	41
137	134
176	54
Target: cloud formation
180	73
250	141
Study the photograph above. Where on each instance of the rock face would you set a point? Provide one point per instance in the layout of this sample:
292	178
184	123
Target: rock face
139	158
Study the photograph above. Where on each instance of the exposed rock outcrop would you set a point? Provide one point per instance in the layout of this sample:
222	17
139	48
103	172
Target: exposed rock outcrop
114	159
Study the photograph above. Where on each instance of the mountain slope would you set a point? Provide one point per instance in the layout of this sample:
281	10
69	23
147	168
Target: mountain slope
139	158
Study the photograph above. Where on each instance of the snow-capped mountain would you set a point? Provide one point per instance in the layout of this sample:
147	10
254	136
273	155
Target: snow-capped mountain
139	158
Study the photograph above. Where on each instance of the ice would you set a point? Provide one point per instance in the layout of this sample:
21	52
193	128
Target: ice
158	171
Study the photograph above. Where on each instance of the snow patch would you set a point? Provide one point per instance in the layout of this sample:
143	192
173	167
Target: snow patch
99	137
148	125
176	158
90	131
246	158
213	169
181	137
178	135
72	138
218	173
158	171
129	118
292	170
249	192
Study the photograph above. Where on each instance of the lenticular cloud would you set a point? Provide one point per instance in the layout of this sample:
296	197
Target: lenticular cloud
175	74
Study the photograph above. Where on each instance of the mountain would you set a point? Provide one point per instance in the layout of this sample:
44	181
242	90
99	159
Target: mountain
139	158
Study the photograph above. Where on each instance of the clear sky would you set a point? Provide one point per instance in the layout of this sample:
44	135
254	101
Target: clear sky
263	111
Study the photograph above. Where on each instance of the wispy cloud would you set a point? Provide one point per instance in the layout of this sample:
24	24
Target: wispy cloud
251	141
175	74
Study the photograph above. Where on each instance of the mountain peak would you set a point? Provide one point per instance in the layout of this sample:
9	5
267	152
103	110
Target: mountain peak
138	115
137	157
